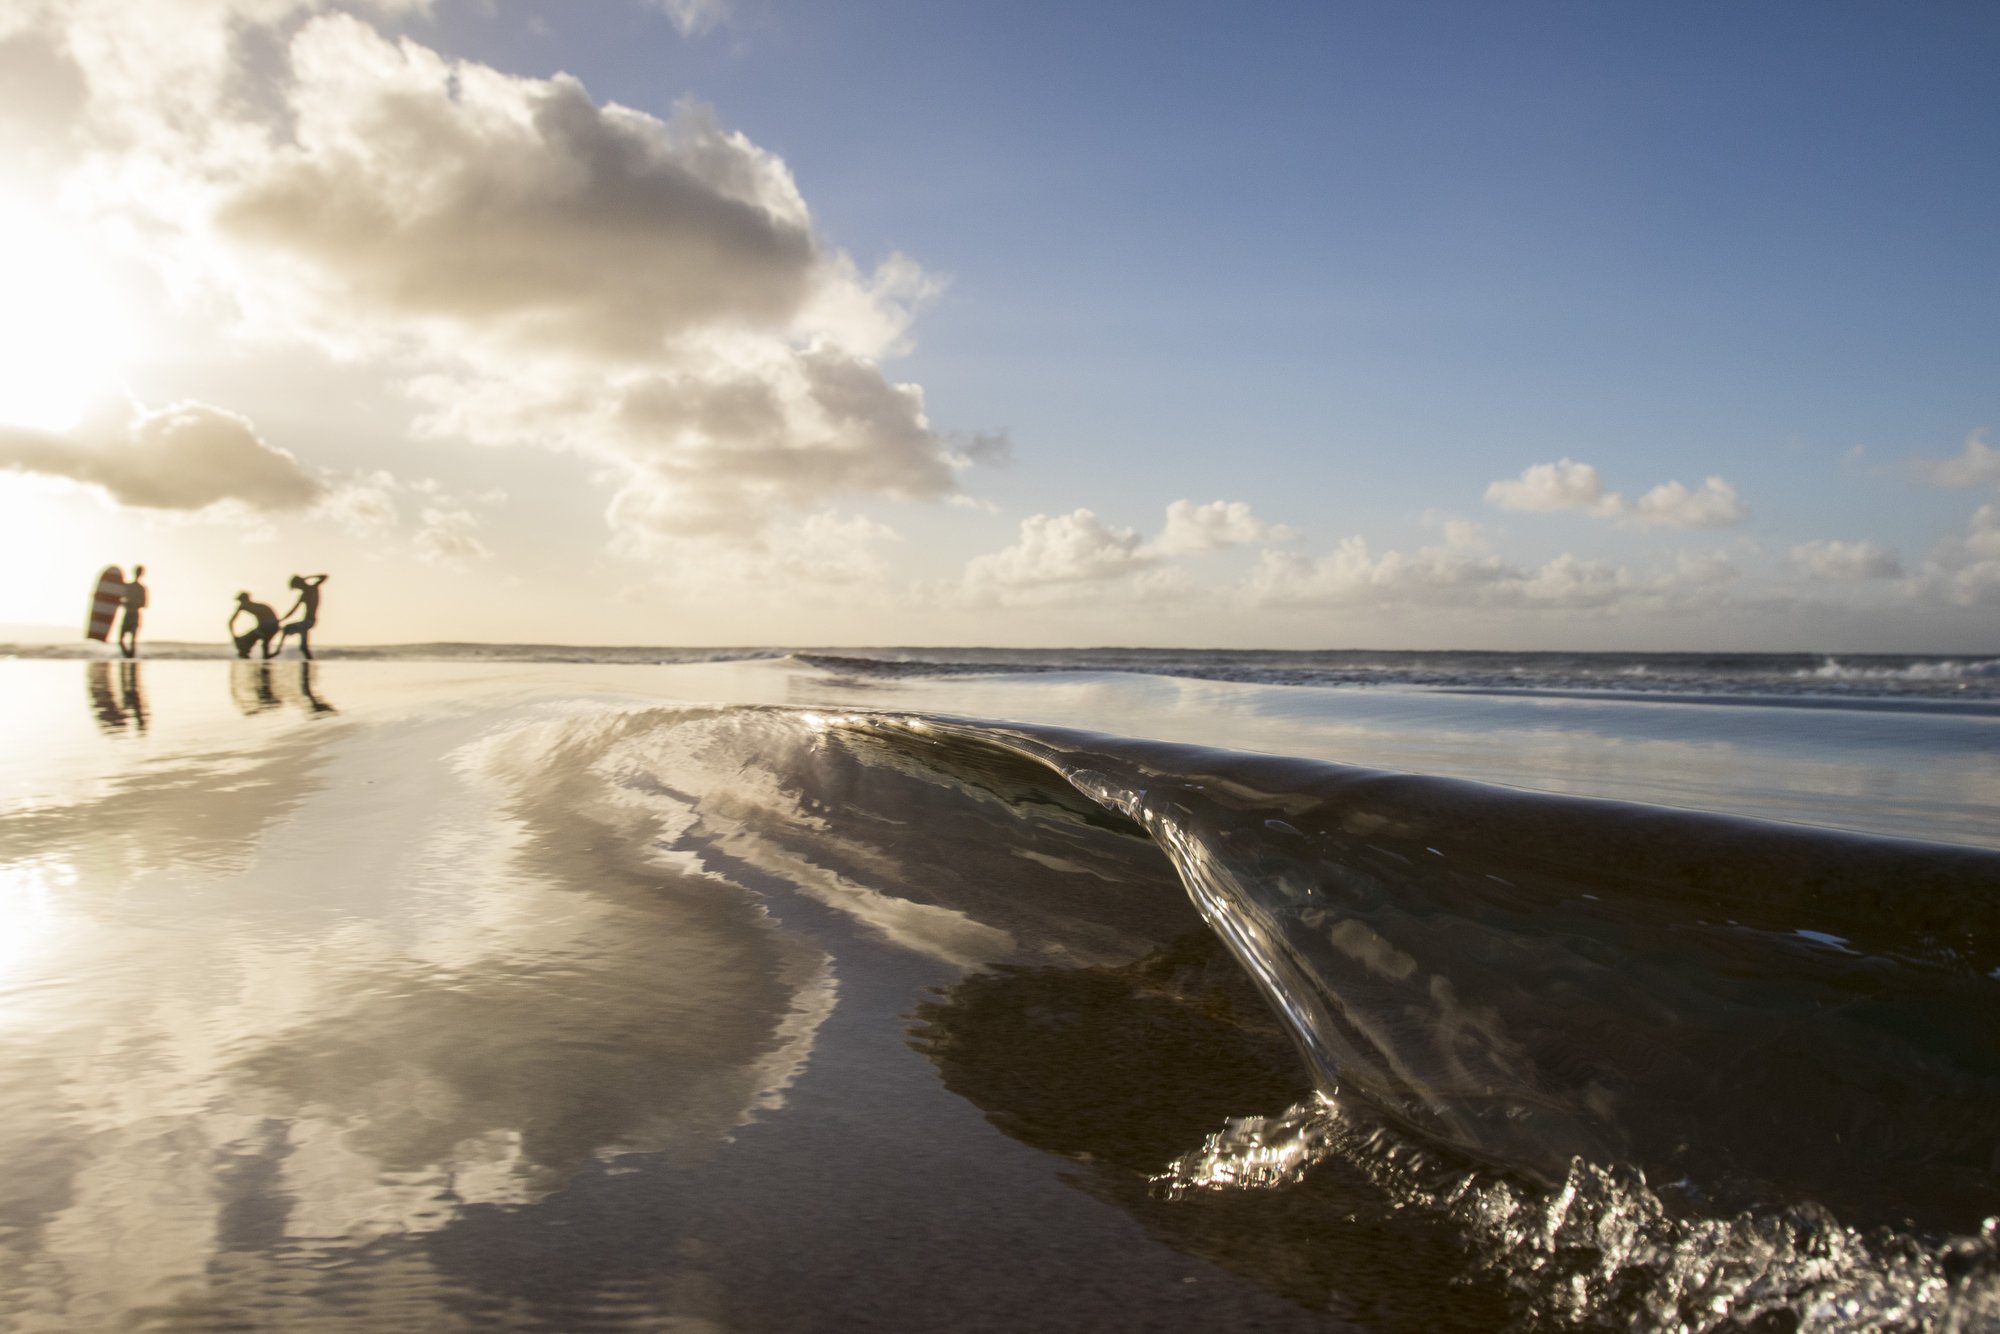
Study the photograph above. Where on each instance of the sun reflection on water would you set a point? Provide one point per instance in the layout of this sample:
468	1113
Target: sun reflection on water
30	917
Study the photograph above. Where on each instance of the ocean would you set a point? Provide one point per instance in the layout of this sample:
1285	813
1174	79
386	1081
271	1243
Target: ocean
527	987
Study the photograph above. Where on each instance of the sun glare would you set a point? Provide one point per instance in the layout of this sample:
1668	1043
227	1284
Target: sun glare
65	332
29	894
52	539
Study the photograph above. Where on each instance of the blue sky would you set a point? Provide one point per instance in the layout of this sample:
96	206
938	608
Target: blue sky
1345	266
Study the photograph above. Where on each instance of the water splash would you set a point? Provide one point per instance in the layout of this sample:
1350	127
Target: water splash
1603	1248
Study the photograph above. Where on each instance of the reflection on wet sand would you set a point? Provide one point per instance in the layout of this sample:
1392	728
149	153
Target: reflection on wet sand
259	687
635	1014
250	685
493	1013
120	705
312	702
248	1042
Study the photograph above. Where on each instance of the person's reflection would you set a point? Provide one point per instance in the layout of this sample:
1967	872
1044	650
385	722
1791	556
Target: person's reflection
131	695
259	687
103	699
250	686
119	706
311	702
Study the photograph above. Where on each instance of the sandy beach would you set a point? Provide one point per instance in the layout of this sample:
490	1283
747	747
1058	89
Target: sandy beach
563	996
371	1014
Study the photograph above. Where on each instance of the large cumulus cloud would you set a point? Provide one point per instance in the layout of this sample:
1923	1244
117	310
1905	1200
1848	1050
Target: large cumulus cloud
648	293
513	210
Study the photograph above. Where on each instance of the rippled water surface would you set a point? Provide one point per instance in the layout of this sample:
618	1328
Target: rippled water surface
385	995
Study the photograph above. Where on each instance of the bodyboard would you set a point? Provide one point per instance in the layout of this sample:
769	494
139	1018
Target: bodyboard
104	603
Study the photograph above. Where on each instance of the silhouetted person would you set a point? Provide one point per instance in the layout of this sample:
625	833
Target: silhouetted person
264	632
133	599
308	586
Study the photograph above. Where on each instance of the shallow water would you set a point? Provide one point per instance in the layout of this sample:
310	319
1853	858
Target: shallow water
762	996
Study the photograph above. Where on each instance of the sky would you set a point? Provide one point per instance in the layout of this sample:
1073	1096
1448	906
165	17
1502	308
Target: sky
735	322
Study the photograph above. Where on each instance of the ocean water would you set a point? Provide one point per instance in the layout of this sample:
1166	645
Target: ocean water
1814	677
517	987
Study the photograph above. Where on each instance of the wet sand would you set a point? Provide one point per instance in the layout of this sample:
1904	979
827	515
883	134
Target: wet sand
330	1000
383	995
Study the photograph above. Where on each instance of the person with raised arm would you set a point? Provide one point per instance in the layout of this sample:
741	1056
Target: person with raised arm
308	607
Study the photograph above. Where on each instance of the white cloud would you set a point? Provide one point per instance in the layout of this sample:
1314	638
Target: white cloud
1705	569
1350	575
363	505
1976	465
1462	575
830	548
1570	582
1462	533
1672	505
1966	572
447	535
1563	485
695	17
1569	485
186	457
1078	557
516	211
1982	539
41	93
826	555
650	294
717	452
1077	547
1216	526
1832	560
366	505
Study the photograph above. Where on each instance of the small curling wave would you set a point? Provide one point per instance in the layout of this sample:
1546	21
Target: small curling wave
1521	1011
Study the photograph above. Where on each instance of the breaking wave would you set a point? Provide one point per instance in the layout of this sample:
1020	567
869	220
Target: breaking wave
1651	1069
1925	670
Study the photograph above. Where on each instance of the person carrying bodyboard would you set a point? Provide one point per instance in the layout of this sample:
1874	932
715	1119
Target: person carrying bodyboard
133	599
105	600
